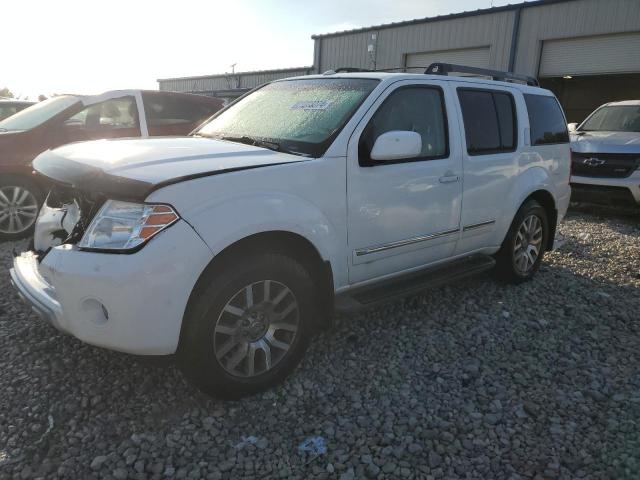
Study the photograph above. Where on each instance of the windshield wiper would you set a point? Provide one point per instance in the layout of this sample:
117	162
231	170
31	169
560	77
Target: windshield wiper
256	142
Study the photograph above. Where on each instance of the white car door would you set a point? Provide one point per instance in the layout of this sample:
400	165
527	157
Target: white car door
491	147
405	213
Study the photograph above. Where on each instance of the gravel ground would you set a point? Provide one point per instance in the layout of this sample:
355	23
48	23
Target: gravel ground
476	380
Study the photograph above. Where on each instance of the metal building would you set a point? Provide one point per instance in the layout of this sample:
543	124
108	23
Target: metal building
229	85
586	51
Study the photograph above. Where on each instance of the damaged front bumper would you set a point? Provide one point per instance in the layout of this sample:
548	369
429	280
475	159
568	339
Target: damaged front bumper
132	303
35	289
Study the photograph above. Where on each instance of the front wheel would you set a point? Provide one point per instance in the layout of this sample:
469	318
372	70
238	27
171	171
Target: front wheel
523	248
20	200
249	327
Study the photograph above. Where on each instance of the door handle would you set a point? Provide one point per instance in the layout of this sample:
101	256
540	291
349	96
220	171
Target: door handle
449	179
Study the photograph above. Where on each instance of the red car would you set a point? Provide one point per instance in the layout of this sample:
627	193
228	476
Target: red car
10	107
74	118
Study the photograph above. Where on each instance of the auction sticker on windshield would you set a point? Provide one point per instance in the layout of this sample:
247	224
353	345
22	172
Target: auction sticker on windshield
312	105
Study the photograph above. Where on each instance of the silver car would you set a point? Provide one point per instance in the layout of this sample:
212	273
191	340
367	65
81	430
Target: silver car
606	155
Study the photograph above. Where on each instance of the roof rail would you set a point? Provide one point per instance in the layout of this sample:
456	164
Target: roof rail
351	70
447	68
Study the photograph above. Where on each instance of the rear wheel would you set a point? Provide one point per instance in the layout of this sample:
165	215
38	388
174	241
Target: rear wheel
249	327
20	200
523	248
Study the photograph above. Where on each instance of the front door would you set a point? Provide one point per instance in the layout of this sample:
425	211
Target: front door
113	118
404	213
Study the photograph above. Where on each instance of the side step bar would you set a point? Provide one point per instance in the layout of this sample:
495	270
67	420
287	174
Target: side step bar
372	295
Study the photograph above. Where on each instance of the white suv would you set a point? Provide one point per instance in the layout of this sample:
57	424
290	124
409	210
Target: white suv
606	155
231	247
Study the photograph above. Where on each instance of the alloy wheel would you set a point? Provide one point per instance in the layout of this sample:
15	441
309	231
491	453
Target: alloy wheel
18	209
256	328
528	244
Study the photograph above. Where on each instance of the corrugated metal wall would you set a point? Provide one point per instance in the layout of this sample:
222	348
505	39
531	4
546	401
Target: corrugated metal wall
537	23
350	50
494	29
569	20
240	80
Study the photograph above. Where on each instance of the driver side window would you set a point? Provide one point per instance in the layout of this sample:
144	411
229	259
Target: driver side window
108	115
417	109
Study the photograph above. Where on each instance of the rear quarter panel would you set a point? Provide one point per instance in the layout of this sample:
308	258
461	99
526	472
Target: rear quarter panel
538	167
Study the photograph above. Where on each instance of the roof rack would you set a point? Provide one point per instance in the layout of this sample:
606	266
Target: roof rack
447	68
351	70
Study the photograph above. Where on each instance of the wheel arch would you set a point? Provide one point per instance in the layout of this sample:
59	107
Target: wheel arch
276	241
546	200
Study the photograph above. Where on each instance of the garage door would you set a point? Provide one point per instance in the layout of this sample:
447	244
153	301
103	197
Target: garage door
591	55
471	57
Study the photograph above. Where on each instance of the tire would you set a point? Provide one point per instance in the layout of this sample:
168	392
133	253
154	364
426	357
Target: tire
515	264
20	201
224	330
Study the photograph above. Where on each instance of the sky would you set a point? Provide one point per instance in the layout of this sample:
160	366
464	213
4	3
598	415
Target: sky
87	47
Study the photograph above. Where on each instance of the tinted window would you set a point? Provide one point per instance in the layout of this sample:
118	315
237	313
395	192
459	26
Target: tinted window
111	114
169	110
416	109
506	120
546	120
489	121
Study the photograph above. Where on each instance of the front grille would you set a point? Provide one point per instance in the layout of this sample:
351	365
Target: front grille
605	165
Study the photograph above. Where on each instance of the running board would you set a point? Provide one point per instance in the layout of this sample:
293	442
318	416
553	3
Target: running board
381	292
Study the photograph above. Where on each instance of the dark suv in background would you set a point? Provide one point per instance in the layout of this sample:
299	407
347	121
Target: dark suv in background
74	118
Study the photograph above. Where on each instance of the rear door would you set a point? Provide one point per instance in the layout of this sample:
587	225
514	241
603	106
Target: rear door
491	148
404	214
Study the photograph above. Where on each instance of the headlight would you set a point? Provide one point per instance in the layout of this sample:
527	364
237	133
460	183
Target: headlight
125	226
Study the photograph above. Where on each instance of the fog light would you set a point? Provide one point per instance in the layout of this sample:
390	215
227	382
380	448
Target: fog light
94	311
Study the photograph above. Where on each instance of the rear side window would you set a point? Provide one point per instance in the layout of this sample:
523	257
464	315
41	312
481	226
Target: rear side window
418	109
169	110
489	121
546	120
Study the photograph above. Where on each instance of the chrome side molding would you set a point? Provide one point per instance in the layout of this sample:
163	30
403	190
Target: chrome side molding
409	241
478	225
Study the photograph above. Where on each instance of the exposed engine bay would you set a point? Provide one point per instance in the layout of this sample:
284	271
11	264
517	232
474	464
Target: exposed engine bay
64	216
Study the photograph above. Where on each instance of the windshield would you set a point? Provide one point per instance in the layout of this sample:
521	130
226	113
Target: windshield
295	116
622	118
37	114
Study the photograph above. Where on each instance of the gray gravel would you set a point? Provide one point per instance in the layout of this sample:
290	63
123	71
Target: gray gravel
476	380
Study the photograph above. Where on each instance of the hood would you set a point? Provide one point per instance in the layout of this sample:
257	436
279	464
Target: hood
606	142
132	168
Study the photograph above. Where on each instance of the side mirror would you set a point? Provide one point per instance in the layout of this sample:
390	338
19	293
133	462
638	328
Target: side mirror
572	127
396	145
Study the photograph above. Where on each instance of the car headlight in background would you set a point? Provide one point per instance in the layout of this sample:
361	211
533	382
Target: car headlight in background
125	226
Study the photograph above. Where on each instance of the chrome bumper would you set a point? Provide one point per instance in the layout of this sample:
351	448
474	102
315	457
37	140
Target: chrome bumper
34	289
